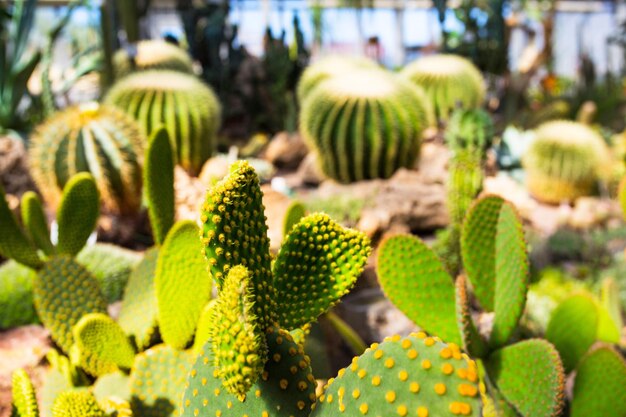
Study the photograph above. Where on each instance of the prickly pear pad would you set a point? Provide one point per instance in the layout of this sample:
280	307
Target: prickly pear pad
413	376
78	213
24	403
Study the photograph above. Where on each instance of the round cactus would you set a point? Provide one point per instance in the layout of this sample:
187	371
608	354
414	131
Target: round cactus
449	81
564	162
188	109
365	125
90	138
328	67
151	54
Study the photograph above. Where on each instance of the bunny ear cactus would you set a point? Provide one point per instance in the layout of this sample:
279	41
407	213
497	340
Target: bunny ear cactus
189	110
449	81
600	385
90	138
81	403
151	54
365	125
295	212
16	295
412	376
78	213
24	403
36	223
564	162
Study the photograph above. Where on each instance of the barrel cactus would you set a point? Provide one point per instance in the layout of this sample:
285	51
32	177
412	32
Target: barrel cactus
564	162
188	109
449	81
151	54
365	125
90	138
327	67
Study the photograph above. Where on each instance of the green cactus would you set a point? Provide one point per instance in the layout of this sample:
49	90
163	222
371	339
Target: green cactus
564	162
158	180
113	385
286	386
600	385
151	54
35	222
416	375
156	381
329	67
78	213
111	265
295	212
530	376
139	312
13	242
79	403
182	284
470	130
98	139
449	81
24	402
64	292
100	345
365	125
472	340
576	324
187	108
16	295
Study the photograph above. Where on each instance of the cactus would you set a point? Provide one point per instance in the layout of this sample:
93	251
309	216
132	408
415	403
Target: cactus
16	295
187	108
365	125
449	81
98	139
295	212
415	375
564	162
139	312
35	222
471	130
158	180
600	385
205	325
78	213
181	283
80	403
113	385
59	277
24	402
151	54
329	67
100	345
156	381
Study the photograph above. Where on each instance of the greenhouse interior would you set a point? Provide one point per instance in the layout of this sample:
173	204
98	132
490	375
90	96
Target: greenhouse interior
293	208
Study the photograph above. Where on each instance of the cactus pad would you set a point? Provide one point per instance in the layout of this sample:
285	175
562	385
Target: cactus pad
286	386
530	376
79	403
16	295
415	281
24	402
495	258
13	242
158	181
182	284
113	385
234	232
100	345
600	385
235	330
151	54
78	213
64	292
472	340
318	263
205	323
295	212
157	379
412	376
139	312
35	222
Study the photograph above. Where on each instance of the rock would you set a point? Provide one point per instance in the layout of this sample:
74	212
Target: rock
591	212
276	205
214	170
14	174
432	163
309	173
286	151
190	193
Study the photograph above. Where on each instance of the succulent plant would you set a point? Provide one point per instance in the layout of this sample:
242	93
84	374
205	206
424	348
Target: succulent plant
151	54
24	402
187	108
470	130
449	81
36	222
79	403
365	124
564	162
16	295
90	138
496	264
329	67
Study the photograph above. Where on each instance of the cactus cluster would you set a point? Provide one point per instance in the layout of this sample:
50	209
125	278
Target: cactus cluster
90	138
450	81
365	124
565	161
151	54
188	109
